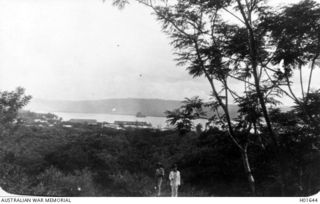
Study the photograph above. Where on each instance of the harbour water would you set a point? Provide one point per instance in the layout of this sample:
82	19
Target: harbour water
157	122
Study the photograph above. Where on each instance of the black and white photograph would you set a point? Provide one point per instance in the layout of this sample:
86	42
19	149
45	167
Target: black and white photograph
159	98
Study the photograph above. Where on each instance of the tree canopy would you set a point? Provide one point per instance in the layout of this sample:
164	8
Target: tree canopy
261	51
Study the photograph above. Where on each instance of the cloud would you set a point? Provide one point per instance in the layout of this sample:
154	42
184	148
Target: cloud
89	50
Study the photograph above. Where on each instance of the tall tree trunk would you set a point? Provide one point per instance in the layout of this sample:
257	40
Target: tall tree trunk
301	82
311	72
247	168
228	118
258	135
300	174
254	64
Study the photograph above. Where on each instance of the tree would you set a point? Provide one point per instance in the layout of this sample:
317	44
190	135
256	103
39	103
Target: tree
10	104
208	45
301	144
294	32
182	117
310	105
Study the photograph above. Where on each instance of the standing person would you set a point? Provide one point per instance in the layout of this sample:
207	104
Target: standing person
174	178
159	177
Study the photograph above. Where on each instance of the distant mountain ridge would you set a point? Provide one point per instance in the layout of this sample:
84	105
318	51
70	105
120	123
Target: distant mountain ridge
127	106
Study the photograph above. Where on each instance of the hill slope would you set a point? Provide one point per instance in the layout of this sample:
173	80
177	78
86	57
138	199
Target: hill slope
129	106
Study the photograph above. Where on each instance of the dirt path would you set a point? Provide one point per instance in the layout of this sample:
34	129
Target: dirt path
4	193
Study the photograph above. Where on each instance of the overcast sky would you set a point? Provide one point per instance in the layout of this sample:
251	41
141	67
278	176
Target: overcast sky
86	49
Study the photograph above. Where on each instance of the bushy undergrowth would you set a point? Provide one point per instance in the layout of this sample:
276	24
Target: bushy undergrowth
89	161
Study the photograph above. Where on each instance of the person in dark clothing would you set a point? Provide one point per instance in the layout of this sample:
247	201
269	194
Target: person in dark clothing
159	174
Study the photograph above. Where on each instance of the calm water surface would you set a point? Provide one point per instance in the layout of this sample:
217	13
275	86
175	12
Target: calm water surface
158	122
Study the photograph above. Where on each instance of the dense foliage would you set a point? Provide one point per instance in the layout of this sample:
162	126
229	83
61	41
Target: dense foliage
90	161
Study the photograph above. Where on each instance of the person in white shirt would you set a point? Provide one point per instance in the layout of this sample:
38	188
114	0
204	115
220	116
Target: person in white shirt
174	178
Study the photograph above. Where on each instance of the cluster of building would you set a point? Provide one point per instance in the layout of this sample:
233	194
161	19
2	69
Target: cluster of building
39	119
49	120
119	125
